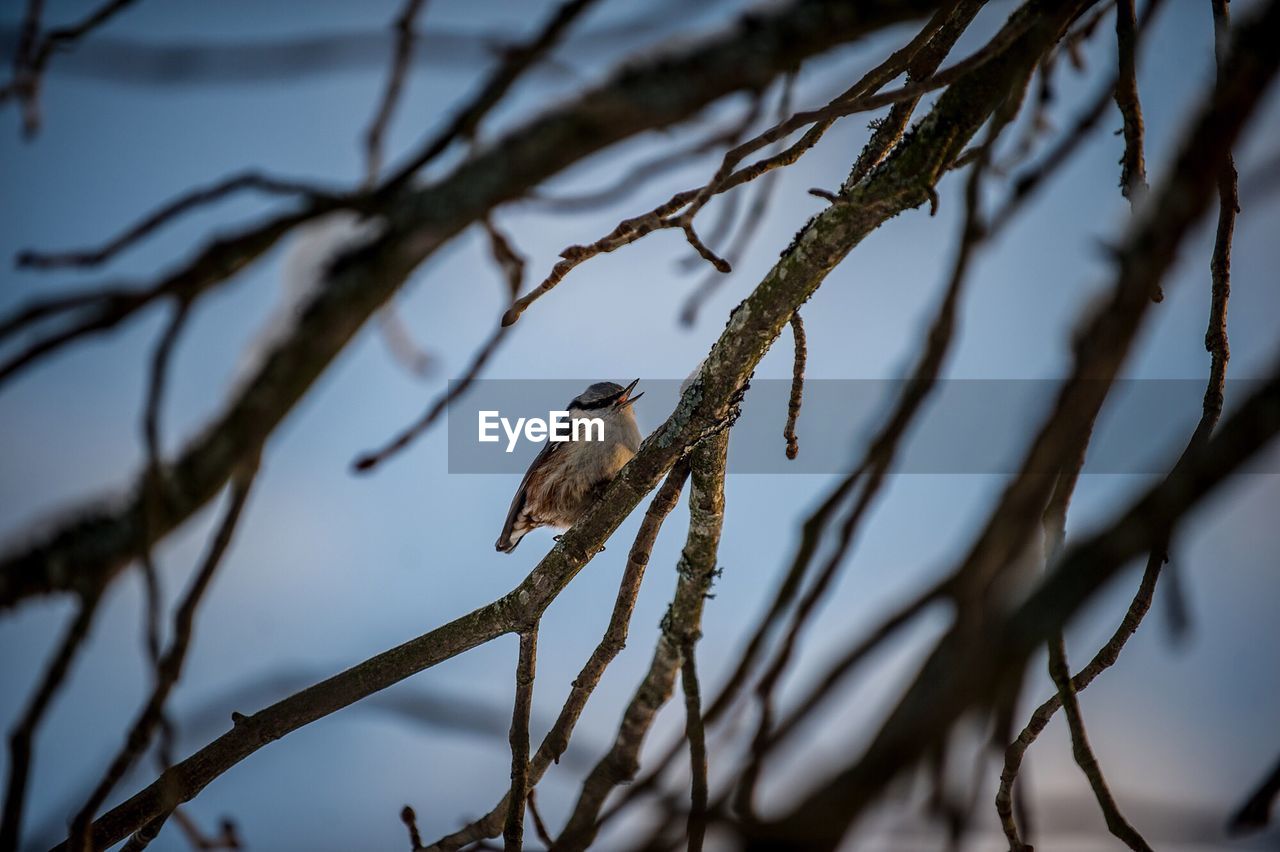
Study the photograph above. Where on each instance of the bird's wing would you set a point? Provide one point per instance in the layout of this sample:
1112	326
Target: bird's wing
518	501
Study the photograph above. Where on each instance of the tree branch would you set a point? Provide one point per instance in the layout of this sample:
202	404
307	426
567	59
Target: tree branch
680	628
100	540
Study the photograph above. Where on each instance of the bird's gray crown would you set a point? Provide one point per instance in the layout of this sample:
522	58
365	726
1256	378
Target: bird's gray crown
597	396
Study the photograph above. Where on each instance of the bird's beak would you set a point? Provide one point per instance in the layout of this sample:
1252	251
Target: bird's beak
625	398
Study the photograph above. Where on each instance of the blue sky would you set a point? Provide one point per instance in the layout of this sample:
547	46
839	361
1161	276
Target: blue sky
328	569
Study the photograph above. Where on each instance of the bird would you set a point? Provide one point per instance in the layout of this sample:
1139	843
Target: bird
566	476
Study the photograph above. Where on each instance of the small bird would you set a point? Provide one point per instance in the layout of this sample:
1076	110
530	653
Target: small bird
565	476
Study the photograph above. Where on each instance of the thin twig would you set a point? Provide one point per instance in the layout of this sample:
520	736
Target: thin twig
32	57
1083	752
22	737
505	255
186	202
797	385
747	230
513	831
696	734
1133	172
400	60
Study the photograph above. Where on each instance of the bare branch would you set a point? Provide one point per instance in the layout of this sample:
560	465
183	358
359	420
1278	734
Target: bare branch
1216	344
1255	813
611	644
513	832
169	667
256	181
400	58
984	656
1133	174
903	181
22	737
655	93
797	386
695	733
32	57
971	668
680	627
693	200
217	262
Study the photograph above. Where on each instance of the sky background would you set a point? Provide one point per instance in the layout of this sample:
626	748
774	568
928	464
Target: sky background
328	569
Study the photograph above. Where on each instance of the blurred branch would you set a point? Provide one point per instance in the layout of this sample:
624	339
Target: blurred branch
100	540
1255	813
695	733
256	181
169	668
22	737
178	63
643	172
33	55
511	264
1216	344
973	662
515	62
96	312
968	669
1083	752
400	59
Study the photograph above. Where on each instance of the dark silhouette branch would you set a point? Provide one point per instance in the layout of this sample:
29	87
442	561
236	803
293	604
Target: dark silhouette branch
169	667
1133	173
695	733
1255	813
971	650
513	831
400	61
22	737
152	222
